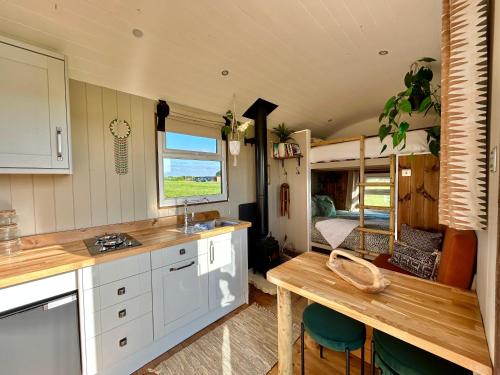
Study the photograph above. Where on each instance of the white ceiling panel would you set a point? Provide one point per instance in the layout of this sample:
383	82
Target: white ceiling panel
316	59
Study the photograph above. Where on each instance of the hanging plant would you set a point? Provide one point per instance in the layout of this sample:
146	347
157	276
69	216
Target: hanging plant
232	127
419	96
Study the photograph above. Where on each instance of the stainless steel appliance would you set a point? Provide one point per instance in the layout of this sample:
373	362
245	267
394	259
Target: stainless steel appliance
41	337
110	242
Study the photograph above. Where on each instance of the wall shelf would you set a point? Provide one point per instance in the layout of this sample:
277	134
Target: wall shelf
297	157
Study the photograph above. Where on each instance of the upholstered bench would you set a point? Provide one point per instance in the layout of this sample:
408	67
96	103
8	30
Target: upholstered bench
458	258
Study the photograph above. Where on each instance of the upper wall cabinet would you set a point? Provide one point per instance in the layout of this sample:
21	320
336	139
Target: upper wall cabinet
34	119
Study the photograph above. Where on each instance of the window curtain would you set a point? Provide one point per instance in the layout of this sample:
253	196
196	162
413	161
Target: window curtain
352	195
464	78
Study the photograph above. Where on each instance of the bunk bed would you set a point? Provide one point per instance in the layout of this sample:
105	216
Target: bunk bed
375	233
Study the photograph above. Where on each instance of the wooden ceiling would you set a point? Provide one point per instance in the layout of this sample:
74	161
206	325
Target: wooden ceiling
317	59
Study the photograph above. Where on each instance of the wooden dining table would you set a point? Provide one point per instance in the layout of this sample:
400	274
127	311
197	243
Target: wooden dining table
440	319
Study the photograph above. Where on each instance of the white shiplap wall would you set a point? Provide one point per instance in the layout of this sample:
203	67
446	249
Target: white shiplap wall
95	195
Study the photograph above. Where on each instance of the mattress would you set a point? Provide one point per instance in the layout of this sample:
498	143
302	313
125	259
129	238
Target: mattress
375	243
416	142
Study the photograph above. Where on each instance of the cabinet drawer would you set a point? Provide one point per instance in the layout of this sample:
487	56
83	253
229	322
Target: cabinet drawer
126	339
116	292
119	269
177	253
125	312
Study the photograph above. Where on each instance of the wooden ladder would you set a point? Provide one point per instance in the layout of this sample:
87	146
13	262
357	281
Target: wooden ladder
362	185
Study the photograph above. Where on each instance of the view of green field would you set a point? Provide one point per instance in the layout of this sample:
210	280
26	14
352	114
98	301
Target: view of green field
377	200
180	188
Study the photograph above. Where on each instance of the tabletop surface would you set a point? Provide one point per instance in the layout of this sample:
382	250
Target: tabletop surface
443	320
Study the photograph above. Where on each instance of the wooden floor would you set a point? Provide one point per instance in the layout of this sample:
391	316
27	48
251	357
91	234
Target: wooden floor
333	363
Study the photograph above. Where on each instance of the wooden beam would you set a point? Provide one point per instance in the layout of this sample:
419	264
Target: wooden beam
381	184
361	191
376	231
334	141
381	208
392	199
285	334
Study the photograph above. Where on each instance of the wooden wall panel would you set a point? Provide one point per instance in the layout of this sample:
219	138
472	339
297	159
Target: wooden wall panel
137	158
113	191
97	168
80	142
418	194
94	194
5	197
126	180
44	203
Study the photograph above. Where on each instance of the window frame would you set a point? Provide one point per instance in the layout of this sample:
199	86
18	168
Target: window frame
163	152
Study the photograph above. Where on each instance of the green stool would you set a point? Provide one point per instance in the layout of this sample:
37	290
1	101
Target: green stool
332	330
394	356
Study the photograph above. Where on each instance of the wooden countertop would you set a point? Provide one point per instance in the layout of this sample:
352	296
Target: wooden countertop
36	262
443	320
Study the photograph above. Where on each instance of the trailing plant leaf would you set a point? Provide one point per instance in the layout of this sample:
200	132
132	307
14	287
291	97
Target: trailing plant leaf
405	106
389	105
427	59
383	149
419	96
425	104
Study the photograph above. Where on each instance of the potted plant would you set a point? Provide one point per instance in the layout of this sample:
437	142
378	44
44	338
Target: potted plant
231	131
284	134
419	96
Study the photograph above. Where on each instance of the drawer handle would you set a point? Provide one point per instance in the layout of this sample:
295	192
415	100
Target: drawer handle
121	291
123	342
181	267
182	251
122	313
212	255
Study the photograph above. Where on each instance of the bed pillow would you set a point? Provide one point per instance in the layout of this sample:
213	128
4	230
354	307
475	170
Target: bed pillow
421	239
325	205
314	207
418	262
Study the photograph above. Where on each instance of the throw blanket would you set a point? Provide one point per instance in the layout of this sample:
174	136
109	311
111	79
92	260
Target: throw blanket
336	230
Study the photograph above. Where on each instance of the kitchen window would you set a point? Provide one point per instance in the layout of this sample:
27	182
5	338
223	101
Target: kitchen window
191	168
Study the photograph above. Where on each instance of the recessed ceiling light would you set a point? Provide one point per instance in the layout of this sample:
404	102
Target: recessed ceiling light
225	72
137	33
383	52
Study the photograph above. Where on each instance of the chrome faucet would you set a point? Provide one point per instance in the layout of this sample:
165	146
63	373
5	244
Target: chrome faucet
186	219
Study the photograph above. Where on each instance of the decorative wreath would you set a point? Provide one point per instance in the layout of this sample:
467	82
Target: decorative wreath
120	128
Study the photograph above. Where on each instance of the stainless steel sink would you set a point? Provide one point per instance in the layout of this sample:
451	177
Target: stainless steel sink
203	226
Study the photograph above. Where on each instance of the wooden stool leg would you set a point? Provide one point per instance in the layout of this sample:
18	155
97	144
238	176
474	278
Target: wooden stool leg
321	352
302	370
373	359
347	366
363	360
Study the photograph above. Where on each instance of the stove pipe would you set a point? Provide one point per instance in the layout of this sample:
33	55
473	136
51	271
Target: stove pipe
258	112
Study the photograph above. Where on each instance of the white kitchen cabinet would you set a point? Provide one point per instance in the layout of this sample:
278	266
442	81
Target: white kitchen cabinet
180	294
227	269
34	120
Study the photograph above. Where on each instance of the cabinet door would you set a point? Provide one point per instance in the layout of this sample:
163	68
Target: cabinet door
225	270
180	294
33	117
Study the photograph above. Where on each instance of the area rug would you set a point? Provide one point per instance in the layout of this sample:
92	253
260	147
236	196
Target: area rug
246	344
261	283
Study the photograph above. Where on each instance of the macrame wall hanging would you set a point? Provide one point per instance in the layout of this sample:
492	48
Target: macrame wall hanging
120	129
464	81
